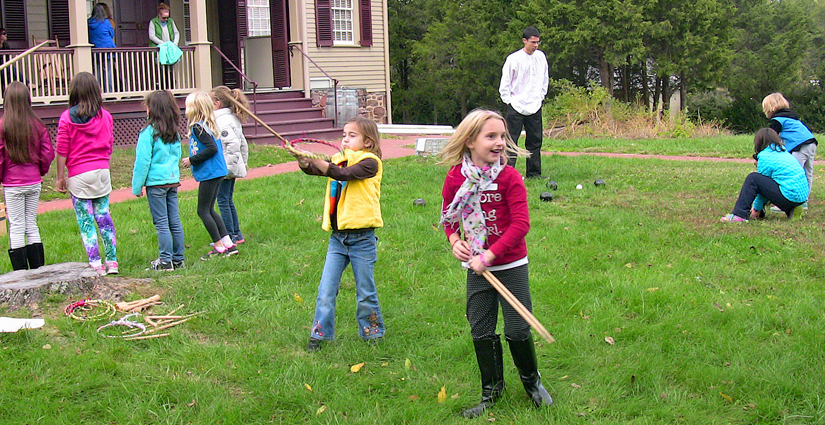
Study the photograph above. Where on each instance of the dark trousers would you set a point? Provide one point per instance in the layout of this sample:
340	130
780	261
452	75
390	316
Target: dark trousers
532	126
207	194
483	301
758	184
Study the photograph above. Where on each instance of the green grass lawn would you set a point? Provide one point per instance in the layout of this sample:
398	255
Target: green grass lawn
713	323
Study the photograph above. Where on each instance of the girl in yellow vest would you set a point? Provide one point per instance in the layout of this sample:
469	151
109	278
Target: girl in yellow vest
352	211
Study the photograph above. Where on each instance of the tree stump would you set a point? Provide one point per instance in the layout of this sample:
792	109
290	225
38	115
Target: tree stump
26	287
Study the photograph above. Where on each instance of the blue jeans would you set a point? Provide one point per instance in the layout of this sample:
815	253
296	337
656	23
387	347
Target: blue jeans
227	207
163	204
356	247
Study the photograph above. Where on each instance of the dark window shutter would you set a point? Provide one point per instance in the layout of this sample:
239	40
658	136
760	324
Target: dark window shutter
366	22
59	22
14	22
243	22
323	22
280	42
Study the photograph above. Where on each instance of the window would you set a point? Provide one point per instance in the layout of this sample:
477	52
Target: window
335	22
258	18
342	22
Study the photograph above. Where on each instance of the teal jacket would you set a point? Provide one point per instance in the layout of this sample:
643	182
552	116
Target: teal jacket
156	163
784	169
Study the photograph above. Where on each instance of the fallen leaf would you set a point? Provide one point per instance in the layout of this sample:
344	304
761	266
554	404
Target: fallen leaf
298	298
407	364
442	395
47	347
727	398
356	367
321	409
609	340
192	404
653	289
564	377
133	231
301	202
718	307
629	265
414	397
308	387
575	385
455	396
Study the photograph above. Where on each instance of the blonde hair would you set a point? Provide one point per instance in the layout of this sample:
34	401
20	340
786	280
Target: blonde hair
468	130
774	102
369	131
225	95
199	108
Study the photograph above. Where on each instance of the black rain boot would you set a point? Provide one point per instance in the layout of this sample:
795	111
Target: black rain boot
524	356
36	255
19	260
489	356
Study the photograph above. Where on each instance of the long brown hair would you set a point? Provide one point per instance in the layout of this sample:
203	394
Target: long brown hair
369	131
19	124
225	95
84	92
164	115
767	138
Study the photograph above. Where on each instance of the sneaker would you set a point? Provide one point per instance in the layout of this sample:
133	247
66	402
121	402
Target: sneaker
111	267
100	269
212	253
314	345
776	209
232	250
805	206
239	241
178	264
730	218
160	265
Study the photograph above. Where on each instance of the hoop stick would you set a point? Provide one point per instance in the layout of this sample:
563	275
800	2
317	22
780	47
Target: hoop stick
135	338
255	117
24	54
518	306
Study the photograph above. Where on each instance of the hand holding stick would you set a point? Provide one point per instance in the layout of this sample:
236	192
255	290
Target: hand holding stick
518	306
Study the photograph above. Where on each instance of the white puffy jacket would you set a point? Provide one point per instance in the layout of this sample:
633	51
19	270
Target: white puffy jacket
235	148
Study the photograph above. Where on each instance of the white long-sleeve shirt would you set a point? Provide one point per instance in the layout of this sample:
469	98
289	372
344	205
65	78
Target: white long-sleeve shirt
524	80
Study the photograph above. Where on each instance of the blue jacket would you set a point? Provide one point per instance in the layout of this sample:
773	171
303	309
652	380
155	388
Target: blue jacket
206	156
786	171
101	33
156	163
794	133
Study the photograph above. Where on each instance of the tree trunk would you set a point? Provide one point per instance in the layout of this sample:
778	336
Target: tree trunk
645	90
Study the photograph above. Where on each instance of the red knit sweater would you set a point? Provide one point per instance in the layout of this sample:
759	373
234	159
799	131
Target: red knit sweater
505	212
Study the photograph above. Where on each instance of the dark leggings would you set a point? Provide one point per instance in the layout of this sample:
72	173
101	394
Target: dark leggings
483	301
758	184
207	194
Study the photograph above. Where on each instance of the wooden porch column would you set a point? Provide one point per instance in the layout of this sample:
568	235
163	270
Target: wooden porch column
198	26
79	31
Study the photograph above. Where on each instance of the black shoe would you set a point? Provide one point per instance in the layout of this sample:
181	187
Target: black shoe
161	265
232	250
178	264
489	357
35	254
524	356
314	345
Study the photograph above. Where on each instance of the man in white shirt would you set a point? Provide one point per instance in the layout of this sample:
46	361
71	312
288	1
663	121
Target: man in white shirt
524	80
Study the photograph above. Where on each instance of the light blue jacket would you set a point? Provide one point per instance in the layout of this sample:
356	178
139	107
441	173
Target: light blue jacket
786	171
156	163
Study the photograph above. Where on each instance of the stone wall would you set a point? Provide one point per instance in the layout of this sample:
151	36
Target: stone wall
372	105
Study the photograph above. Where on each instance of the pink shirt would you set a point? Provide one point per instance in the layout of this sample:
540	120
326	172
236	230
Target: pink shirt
14	174
505	212
88	146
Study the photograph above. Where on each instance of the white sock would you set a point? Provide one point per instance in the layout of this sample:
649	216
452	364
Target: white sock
227	241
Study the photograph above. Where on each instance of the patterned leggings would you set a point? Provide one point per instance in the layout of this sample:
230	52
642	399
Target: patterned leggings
483	301
87	212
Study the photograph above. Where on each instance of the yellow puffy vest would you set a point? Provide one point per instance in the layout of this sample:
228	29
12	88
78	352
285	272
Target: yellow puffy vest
359	206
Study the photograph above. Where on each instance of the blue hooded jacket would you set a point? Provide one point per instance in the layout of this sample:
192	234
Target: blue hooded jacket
101	33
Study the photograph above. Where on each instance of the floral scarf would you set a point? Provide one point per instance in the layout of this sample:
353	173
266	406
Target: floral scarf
467	202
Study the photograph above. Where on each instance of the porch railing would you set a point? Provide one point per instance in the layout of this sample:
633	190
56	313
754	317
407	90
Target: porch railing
122	72
245	77
295	46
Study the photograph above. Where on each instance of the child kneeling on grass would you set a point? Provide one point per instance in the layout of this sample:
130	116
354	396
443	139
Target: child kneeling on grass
352	211
157	158
779	179
485	199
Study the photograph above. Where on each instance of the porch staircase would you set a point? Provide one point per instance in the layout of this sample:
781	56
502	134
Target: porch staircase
291	115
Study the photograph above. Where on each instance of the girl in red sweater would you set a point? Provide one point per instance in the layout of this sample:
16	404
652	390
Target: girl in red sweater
485	218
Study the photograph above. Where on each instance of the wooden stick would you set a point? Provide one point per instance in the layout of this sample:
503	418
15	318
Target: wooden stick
254	117
145	337
173	311
166	326
518	306
133	304
24	54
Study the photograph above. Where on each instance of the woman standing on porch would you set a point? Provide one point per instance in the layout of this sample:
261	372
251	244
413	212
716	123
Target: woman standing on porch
102	35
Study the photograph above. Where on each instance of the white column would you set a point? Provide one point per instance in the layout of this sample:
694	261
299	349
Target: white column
198	27
79	30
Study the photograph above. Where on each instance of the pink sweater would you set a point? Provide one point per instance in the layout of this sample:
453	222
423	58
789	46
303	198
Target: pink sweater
14	174
505	209
88	146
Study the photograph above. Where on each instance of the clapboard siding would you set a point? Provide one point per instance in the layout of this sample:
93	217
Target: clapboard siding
356	67
37	19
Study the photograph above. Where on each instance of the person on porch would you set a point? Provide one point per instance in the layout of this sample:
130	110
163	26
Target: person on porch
162	29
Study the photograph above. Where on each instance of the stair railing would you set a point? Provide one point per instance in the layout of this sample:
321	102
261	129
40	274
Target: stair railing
245	77
294	45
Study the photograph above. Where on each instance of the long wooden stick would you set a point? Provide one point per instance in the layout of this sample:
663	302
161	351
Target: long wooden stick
24	54
255	117
518	306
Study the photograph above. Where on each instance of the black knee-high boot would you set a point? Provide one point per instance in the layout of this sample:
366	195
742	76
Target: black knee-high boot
36	255
524	356
489	356
19	261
